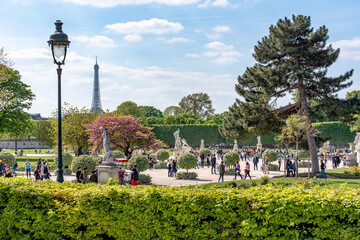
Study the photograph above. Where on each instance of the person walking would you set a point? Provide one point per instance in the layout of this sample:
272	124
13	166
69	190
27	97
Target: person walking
202	160
255	161
266	166
322	167
134	175
237	170
169	166
78	175
279	161
213	164
174	167
37	172
28	168
221	171
247	170
15	167
44	172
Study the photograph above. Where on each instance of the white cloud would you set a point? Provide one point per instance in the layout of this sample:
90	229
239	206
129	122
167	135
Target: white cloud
113	3
96	41
33	53
153	26
349	48
133	37
223	54
214	3
192	55
221	29
178	40
219	46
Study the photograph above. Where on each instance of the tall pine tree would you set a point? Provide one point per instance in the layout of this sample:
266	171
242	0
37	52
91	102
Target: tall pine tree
293	57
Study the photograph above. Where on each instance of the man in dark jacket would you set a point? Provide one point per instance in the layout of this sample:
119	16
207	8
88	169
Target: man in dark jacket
213	164
221	171
78	175
322	167
255	161
202	160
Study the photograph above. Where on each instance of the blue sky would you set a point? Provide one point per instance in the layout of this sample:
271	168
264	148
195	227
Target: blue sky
154	52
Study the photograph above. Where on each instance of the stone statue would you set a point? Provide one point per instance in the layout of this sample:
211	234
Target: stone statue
177	139
108	157
184	143
202	144
357	141
236	147
259	140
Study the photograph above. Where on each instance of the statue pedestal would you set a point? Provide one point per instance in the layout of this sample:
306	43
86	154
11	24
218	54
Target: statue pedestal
258	146
352	147
178	151
107	171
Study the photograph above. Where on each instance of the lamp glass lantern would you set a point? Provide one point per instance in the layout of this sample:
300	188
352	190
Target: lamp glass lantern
59	43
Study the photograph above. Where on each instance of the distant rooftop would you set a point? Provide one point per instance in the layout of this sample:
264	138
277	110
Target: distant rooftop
37	116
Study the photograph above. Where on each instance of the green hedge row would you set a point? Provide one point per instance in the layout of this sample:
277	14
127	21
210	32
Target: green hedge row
76	211
337	132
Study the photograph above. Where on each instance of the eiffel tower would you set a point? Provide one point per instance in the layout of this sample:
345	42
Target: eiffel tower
96	101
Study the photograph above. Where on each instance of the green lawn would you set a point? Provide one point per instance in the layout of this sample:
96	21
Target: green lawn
334	173
33	160
32	151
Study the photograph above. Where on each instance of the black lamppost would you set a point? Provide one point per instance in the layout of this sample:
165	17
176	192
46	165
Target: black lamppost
59	43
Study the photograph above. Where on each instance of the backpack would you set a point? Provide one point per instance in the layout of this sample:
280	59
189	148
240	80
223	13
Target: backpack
46	170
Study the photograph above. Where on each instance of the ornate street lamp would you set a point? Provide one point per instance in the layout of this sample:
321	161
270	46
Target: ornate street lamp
59	43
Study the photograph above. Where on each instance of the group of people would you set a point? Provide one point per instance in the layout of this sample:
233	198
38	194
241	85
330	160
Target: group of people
82	176
41	171
5	170
172	168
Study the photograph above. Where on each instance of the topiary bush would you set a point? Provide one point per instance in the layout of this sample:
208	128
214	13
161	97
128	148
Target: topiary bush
162	155
205	151
231	157
83	161
141	162
186	175
66	159
272	167
186	161
144	179
8	158
160	165
118	154
271	154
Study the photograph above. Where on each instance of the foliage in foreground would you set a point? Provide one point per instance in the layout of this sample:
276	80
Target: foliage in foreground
84	211
186	175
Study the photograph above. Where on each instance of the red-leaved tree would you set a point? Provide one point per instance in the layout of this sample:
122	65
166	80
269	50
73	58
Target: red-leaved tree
125	133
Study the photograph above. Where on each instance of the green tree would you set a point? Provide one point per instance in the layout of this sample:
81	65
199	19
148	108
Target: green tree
162	155
294	132
197	104
43	131
230	158
172	111
129	108
74	124
150	111
142	163
354	121
15	97
293	57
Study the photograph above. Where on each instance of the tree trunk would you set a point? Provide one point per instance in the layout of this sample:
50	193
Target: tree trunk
297	161
309	133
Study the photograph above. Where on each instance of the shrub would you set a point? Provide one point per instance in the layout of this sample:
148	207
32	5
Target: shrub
271	167
205	151
160	165
186	161
141	162
186	175
264	180
144	179
84	211
83	161
303	154
231	157
66	159
353	171
304	164
118	154
7	158
271	154
162	155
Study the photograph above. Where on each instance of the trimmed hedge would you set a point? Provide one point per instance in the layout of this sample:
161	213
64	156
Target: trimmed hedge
337	132
47	210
